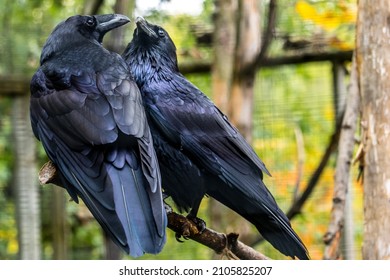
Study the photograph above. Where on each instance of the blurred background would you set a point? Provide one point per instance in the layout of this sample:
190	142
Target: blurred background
300	81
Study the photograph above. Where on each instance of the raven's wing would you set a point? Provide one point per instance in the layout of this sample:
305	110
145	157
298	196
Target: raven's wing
177	172
125	100
190	120
129	114
93	127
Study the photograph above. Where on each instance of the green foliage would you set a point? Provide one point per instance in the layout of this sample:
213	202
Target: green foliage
8	238
25	27
8	234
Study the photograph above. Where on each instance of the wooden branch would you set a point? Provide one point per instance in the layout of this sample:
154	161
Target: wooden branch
226	244
301	159
205	66
20	85
307	57
14	85
48	174
342	173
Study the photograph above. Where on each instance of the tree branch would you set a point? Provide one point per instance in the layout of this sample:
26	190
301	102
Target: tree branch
301	159
226	244
14	85
205	66
343	166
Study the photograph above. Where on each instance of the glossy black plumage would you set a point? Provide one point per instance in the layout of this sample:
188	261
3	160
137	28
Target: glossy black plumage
87	111
199	151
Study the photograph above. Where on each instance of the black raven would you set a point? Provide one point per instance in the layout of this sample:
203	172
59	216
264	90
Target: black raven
200	152
87	111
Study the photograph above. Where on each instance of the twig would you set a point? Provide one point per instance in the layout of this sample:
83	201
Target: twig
343	166
221	243
297	206
301	159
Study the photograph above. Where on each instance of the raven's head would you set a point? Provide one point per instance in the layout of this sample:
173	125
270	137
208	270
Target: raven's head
154	41
80	28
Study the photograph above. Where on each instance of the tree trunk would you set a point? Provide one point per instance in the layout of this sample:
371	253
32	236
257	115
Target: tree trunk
247	50
92	7
115	40
224	44
373	57
236	45
25	173
59	223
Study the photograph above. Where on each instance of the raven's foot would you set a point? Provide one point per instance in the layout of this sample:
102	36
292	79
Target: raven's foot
200	224
186	228
178	237
185	232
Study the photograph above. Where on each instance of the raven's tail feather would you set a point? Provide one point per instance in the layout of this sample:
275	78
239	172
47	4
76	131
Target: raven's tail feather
133	205
281	235
135	219
269	220
136	207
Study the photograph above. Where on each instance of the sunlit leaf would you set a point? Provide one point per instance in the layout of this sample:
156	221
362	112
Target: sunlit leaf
305	10
328	20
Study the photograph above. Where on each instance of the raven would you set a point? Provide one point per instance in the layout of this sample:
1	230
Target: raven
87	111
199	151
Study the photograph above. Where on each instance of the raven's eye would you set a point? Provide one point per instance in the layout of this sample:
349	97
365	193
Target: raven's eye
90	21
161	33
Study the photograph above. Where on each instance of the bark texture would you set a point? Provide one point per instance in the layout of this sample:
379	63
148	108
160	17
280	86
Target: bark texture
373	61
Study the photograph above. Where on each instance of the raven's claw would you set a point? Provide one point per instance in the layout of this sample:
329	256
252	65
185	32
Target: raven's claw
200	224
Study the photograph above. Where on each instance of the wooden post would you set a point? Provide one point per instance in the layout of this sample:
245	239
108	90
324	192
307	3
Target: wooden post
373	61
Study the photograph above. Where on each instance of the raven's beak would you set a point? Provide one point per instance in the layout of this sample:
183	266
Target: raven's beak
108	22
143	25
